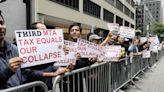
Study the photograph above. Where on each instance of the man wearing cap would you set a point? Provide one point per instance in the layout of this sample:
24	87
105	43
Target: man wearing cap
94	38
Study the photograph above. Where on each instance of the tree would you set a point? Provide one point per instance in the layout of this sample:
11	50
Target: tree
158	29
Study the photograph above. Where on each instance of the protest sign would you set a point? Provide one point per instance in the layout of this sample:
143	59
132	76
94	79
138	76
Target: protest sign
146	54
143	39
39	46
88	49
70	57
112	53
113	26
154	43
127	32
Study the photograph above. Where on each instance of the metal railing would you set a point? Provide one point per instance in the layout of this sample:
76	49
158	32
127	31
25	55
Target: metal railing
95	78
29	86
106	76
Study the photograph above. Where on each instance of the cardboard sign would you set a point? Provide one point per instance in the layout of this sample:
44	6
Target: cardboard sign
40	46
113	26
146	54
70	57
127	32
88	49
112	53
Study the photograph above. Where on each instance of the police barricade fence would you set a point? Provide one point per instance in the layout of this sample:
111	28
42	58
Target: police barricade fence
94	78
104	77
28	87
127	69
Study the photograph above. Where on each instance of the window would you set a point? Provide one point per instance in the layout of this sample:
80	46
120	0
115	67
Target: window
91	8
132	26
119	20
110	1
108	16
126	23
119	5
127	11
132	15
150	4
74	4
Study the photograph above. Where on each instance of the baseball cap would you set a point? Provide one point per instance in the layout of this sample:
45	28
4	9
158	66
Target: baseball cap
94	37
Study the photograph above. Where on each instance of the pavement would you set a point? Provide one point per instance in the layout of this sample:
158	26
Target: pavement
152	80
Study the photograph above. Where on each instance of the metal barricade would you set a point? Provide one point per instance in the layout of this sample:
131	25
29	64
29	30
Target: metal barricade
95	78
27	86
106	76
119	74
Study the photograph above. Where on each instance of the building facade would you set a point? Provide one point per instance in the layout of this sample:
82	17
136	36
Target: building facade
144	19
155	8
62	13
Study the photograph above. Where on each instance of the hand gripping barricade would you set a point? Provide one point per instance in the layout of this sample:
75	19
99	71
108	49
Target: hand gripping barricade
95	78
29	86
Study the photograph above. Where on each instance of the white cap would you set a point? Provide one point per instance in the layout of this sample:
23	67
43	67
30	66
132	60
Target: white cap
94	37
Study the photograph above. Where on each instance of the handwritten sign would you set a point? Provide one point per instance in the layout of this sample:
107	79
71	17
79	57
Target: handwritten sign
88	49
112	53
113	26
127	32
154	43
146	54
40	46
70	56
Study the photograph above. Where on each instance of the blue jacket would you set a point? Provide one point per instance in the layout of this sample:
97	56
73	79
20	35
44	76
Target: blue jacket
5	73
21	76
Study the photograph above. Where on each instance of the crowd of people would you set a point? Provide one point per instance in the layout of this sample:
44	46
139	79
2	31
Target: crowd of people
12	75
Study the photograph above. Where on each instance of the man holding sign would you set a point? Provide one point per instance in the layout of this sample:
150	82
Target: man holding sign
38	63
9	60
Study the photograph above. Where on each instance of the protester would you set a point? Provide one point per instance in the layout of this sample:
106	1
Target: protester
43	72
75	31
134	47
9	60
94	38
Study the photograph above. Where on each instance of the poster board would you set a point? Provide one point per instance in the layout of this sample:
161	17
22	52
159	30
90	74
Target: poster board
38	47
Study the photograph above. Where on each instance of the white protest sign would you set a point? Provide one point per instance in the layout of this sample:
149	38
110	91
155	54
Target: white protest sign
143	39
88	49
146	54
70	57
40	46
127	32
113	52
154	43
113	26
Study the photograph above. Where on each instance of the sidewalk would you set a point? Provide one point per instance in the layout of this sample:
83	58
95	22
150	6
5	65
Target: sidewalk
151	81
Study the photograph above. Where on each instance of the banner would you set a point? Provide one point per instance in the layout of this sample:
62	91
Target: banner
127	32
88	49
40	46
70	57
112	53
